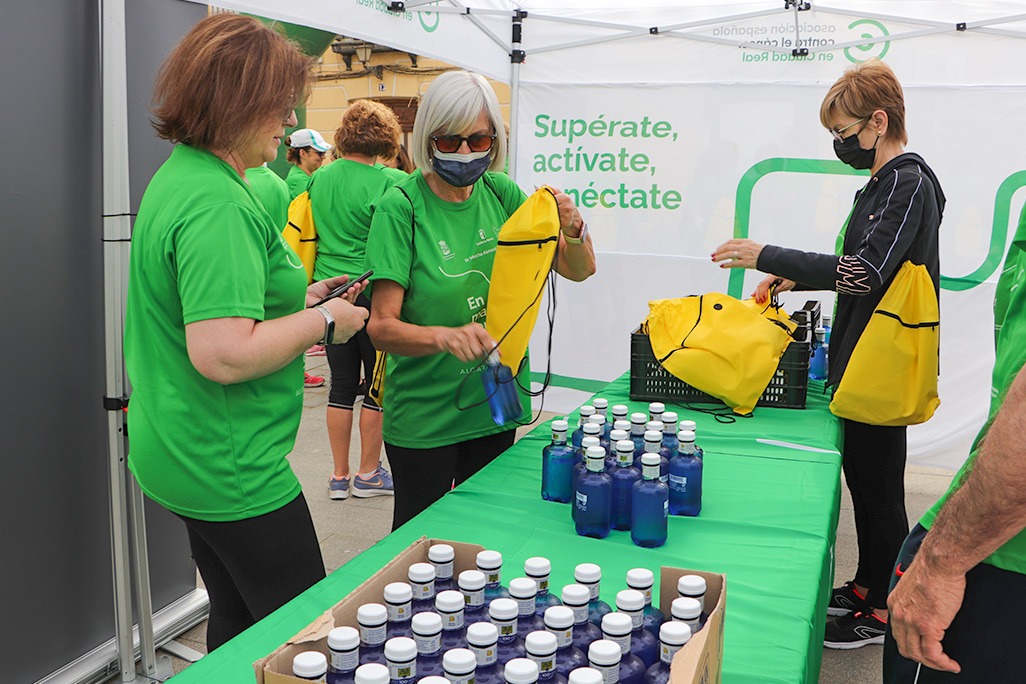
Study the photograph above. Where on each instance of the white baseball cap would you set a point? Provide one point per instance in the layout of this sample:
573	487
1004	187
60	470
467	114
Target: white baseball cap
308	137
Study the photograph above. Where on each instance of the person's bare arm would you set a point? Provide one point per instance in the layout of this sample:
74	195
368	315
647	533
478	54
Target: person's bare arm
575	261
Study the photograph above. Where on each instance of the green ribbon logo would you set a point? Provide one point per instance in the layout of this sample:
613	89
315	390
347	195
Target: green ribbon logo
876	44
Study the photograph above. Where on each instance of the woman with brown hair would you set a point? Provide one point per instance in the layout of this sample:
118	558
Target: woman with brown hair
342	196
217	321
306	152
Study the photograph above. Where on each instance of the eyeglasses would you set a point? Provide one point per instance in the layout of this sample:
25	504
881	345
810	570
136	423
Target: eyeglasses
836	132
479	142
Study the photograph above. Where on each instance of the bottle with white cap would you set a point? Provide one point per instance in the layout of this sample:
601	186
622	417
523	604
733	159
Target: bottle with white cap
401	656
560	621
669	421
311	666
521	671
427	633
650	505
693	586
642	579
590	575
558	466
373	621
524	590
472	585
482	639
398	597
624	475
631	602
490	563
672	637
604	656
433	679
686	478
541	648
538	568
655	410
617	413
442	557
612	457
617	627
343	655
654	445
577	597
604	428
372	673
590	440
638	422
460	666
584	675
422	583
594	502
687	610
693	426
601	406
504	612
449	605
583	414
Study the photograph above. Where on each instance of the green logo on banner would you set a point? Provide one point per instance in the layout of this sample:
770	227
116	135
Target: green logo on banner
425	20
879	47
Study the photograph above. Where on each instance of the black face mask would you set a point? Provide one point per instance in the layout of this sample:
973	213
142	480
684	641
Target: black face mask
851	153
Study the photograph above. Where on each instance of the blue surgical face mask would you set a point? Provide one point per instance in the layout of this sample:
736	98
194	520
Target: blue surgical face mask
461	170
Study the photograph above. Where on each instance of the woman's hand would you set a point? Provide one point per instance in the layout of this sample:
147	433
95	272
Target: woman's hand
468	343
776	283
570	221
737	254
319	290
349	319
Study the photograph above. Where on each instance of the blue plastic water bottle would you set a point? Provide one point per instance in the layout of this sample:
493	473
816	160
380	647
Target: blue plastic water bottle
521	671
655	411
398	597
449	604
401	655
672	637
558	466
541	647
693	427
586	412
594	497
373	620
654	444
441	557
422	582
343	655
591	429
631	602
670	433
472	585
686	478
501	390
560	621
818	362
373	673
693	587
649	505
617	628
604	656
612	456
577	597
600	420
602	409
581	467
524	591
619	412
590	575
503	613
624	476
638	421
490	563
687	610
538	569
642	579
482	640
460	665
427	632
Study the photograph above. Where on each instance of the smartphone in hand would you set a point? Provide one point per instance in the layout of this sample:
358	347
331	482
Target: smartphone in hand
342	289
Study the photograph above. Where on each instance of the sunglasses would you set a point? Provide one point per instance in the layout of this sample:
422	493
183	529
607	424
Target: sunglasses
479	142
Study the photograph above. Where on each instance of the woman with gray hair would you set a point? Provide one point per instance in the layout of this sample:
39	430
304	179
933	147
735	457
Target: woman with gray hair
431	246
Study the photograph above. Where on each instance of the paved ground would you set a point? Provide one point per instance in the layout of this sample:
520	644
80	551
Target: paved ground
345	528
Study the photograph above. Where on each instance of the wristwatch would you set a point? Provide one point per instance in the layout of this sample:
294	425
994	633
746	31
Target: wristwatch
580	238
329	324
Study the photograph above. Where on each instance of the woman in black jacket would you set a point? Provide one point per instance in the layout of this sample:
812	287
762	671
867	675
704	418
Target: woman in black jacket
895	218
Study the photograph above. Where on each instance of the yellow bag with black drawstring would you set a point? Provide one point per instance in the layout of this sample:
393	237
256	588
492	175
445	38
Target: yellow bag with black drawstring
724	347
300	232
891	377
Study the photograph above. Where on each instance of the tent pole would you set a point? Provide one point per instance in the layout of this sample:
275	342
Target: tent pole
516	57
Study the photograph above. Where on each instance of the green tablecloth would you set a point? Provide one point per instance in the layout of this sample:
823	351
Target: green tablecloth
769	515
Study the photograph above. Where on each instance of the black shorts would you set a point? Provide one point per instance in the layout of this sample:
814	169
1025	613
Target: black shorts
346	362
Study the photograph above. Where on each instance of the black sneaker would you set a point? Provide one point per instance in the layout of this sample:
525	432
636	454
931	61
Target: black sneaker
845	600
854	631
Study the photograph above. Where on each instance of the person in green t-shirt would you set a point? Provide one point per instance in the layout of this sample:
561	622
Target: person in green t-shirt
306	152
431	246
216	321
959	587
342	196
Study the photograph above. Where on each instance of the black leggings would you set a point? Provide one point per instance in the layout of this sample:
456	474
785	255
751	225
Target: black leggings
423	476
985	637
346	361
254	566
873	459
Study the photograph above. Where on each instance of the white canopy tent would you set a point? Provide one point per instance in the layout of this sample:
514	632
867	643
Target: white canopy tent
679	124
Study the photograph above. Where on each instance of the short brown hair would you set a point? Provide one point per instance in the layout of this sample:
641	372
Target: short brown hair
369	128
227	77
864	88
293	154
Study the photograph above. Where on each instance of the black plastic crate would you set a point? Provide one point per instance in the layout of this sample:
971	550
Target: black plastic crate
651	382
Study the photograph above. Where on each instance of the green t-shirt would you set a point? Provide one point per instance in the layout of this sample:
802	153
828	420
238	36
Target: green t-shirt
297	181
444	262
272	191
342	195
396	174
1010	354
203	247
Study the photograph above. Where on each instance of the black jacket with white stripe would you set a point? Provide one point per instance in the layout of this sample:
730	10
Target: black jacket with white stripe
896	217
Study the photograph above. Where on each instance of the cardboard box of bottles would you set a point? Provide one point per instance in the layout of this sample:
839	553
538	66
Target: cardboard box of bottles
698	661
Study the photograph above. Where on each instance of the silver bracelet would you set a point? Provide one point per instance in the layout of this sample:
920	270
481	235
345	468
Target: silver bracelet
329	324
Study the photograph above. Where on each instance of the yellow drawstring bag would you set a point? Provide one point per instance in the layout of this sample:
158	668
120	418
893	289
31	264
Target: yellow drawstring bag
300	232
526	247
891	377
724	347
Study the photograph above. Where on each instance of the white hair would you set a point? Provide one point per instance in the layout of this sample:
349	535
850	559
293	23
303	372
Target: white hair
450	106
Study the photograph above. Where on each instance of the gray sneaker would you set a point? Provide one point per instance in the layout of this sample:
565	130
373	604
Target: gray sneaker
378	484
338	489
